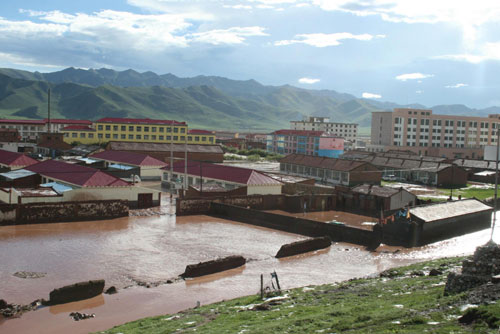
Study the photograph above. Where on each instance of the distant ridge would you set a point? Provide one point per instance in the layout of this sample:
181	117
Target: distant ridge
209	102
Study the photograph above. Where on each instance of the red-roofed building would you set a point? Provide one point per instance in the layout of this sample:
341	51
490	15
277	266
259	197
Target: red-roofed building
29	129
82	134
315	143
12	160
150	168
228	177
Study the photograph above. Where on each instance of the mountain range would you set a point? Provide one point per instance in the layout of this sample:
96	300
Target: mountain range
208	102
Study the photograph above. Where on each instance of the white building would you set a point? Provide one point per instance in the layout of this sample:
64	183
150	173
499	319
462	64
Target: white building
311	123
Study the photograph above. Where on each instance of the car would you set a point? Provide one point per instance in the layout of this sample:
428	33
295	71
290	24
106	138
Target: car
389	177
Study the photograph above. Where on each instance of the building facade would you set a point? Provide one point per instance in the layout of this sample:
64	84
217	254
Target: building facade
425	133
29	129
137	131
315	143
348	131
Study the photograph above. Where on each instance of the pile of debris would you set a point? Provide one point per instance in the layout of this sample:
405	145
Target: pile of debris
483	268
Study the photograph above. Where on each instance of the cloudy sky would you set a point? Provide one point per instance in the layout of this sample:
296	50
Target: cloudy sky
405	51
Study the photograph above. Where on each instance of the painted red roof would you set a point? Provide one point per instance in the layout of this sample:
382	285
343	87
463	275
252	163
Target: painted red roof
45	121
288	132
136	159
139	121
200	132
77	128
226	173
14	159
68	121
23	121
76	174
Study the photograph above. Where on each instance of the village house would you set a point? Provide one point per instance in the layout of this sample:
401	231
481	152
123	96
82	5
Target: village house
202	174
149	168
331	171
79	183
372	197
12	160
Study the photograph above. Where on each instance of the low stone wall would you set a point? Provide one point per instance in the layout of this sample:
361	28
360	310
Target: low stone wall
75	292
35	213
310	228
214	266
303	246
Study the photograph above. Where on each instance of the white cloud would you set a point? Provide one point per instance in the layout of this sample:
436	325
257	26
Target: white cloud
321	40
238	7
8	58
419	91
235	35
458	85
488	51
308	81
413	76
371	96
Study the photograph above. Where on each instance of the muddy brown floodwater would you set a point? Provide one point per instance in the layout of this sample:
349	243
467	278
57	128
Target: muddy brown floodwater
129	250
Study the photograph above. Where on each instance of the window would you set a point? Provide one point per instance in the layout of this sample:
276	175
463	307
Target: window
176	130
82	135
153	137
123	136
130	128
99	127
138	129
196	138
108	127
162	129
130	136
160	137
183	130
138	137
99	135
74	135
153	129
115	136
176	138
169	129
211	139
169	137
203	138
91	135
183	138
146	129
146	137
190	138
123	128
107	136
115	127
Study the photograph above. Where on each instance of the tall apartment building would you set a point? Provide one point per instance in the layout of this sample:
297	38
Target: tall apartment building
425	133
312	123
316	143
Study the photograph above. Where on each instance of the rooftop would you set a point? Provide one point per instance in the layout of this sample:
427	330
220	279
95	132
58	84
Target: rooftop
45	121
288	132
130	158
78	128
323	162
226	173
139	121
200	132
14	159
163	147
433	212
380	191
76	174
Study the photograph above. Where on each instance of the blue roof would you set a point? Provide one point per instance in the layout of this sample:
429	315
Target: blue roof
17	174
88	161
122	167
58	187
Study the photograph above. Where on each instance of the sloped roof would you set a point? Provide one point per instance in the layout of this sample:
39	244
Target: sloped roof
129	158
288	132
225	173
139	121
200	132
14	159
380	191
433	212
163	147
322	162
77	128
76	174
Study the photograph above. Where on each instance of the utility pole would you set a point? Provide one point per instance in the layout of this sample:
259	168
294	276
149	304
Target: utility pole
48	111
171	153
496	184
186	183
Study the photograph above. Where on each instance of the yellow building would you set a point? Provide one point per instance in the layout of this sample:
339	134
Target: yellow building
138	130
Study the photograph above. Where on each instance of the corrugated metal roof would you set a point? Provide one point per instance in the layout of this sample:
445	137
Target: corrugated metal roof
226	173
130	158
14	159
121	167
76	174
17	174
323	162
164	147
433	212
58	187
367	189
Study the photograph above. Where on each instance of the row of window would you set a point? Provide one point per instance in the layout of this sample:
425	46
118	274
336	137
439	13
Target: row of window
139	128
139	137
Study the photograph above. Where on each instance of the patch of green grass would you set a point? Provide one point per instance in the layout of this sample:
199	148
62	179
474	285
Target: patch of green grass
400	301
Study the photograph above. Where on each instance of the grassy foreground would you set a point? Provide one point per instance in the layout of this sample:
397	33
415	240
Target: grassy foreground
401	300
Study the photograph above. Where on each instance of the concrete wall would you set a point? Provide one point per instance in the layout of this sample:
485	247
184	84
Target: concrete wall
402	199
151	172
310	228
264	190
35	213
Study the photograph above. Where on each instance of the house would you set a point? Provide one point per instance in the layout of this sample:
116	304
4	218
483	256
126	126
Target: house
163	151
248	181
372	197
12	160
331	171
315	143
149	167
80	183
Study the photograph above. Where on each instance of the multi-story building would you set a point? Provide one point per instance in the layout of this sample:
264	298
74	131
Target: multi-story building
139	131
29	129
425	133
311	123
315	143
